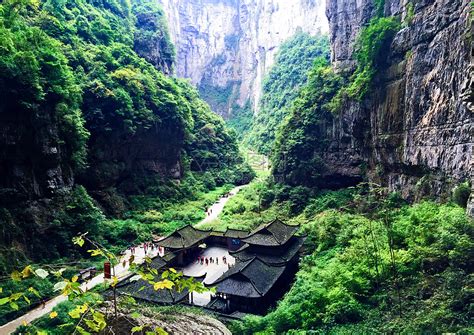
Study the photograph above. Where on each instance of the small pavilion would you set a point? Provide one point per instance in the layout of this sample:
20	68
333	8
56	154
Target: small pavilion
182	246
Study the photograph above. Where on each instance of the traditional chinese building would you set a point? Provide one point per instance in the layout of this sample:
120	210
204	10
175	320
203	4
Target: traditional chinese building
142	290
230	238
182	246
266	262
265	267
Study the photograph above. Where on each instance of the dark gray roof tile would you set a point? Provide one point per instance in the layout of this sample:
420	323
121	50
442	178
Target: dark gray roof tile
183	238
275	256
271	234
252	278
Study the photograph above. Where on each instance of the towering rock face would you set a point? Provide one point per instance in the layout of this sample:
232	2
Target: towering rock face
415	132
227	46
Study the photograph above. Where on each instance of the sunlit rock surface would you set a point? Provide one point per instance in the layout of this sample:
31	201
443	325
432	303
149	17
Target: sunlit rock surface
227	46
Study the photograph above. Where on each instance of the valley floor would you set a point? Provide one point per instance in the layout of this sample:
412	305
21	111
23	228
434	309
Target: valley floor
213	271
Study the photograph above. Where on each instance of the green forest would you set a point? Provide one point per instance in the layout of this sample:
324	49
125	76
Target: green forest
358	143
280	88
72	71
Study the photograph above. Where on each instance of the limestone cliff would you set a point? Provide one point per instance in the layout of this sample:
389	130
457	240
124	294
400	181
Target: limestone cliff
415	132
226	46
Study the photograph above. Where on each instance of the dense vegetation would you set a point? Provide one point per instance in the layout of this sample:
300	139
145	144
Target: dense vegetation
241	120
296	159
374	264
88	78
85	75
280	86
302	139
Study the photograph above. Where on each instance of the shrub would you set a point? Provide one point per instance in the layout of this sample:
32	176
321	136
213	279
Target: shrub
370	53
461	194
281	86
348	282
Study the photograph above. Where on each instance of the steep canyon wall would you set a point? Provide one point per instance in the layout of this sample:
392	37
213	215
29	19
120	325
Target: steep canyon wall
414	133
226	47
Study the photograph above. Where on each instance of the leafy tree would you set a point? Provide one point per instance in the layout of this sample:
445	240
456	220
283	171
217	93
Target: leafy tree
296	160
370	54
76	80
85	309
346	283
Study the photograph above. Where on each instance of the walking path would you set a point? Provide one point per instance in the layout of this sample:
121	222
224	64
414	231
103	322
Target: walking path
38	312
217	207
121	272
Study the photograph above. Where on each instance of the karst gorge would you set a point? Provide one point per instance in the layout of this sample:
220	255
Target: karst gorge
236	167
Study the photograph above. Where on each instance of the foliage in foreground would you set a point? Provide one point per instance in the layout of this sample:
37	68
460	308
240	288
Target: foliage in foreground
85	311
75	74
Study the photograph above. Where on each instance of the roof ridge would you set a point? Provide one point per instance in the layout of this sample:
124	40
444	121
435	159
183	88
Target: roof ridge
183	241
261	261
179	229
226	274
254	286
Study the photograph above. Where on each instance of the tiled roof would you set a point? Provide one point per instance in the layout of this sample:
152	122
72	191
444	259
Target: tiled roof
251	279
236	233
275	256
217	304
169	256
183	238
141	289
274	233
158	262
